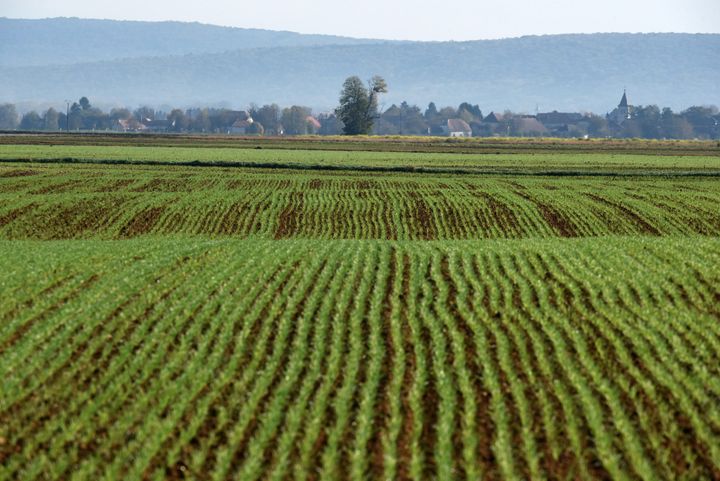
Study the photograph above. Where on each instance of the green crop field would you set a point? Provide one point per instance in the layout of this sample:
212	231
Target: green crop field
537	163
59	201
186	311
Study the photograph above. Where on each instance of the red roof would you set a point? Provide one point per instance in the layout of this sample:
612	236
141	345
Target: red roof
312	120
458	125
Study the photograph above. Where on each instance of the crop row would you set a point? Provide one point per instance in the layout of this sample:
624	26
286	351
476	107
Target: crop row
114	202
592	162
250	359
407	144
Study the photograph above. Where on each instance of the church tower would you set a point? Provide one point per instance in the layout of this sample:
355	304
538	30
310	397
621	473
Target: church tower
623	101
623	111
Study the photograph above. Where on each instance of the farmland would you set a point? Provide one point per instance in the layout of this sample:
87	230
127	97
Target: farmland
60	201
525	163
522	315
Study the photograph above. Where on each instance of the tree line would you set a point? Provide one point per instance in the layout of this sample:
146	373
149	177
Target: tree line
358	113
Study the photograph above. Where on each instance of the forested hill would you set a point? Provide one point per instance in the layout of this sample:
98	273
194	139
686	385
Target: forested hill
74	40
563	72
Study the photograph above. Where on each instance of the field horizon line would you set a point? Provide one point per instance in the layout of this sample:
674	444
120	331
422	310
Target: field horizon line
655	173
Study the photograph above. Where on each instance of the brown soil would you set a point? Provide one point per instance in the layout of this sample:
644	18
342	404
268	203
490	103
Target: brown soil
85	284
383	411
231	220
240	451
558	221
633	217
289	222
405	438
143	222
14	214
166	185
18	173
502	215
484	424
57	188
422	218
115	186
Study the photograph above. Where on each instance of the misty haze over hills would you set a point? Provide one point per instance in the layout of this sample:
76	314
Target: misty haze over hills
73	40
180	64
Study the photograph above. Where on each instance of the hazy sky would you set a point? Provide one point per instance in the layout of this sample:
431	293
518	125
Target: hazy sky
401	19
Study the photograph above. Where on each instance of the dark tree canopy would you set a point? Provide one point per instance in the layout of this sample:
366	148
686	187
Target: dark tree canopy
358	104
31	121
144	113
8	117
51	120
178	120
268	116
295	120
431	112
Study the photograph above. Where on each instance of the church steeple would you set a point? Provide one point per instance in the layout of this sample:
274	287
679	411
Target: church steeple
623	102
622	112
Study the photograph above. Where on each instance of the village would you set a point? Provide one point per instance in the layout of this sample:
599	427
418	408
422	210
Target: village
464	122
467	120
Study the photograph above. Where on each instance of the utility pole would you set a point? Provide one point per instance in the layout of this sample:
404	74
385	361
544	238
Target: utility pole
67	116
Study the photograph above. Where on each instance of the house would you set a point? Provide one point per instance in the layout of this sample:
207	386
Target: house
313	124
437	130
563	124
492	118
492	125
622	113
128	125
458	128
241	127
529	126
157	125
559	120
239	122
